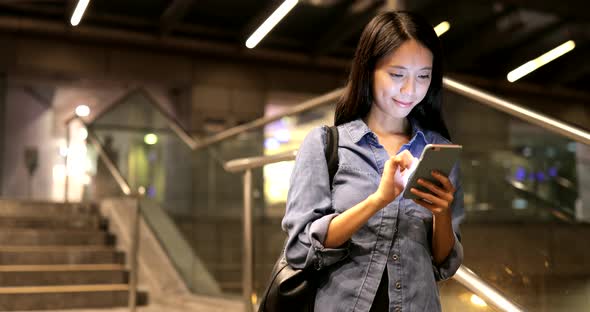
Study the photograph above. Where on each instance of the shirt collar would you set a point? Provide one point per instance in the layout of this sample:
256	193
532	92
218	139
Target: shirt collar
358	129
417	131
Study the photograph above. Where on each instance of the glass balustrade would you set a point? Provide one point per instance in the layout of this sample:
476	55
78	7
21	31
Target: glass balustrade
527	206
527	210
154	162
219	212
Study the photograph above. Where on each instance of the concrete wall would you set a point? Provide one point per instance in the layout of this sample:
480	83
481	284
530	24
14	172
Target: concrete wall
221	88
205	94
28	123
210	94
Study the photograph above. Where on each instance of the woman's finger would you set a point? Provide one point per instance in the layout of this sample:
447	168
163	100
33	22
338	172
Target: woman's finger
403	160
435	200
426	205
407	159
444	180
435	189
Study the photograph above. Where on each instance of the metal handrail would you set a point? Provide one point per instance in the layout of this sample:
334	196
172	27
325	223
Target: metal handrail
176	127
464	275
243	164
124	186
518	111
483	290
509	107
321	100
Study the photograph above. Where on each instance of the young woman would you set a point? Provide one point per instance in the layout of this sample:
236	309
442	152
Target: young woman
373	249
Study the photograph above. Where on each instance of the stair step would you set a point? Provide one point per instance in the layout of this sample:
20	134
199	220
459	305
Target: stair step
60	267
52	222
25	255
64	288
57	256
63	297
54	237
44	275
38	208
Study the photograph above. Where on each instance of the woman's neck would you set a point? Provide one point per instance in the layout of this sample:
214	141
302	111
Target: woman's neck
382	125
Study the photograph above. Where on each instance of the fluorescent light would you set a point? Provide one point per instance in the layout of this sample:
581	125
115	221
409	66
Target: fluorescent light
530	66
79	12
442	28
270	23
150	139
82	110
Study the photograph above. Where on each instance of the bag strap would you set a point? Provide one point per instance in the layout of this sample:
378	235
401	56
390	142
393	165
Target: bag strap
331	152
332	159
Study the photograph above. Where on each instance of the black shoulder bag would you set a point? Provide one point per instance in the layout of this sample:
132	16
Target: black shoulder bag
289	289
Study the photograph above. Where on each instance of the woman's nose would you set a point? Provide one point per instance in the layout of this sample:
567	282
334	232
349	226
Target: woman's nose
408	87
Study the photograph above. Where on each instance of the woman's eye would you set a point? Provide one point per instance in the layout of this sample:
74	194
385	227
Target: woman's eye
396	75
424	76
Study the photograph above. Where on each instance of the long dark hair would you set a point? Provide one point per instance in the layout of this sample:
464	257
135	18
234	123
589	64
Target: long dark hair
384	34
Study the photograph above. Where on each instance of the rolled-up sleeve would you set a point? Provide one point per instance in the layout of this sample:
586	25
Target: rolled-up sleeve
309	207
451	264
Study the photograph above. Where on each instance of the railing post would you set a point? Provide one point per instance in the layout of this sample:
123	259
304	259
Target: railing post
136	215
67	174
247	261
485	291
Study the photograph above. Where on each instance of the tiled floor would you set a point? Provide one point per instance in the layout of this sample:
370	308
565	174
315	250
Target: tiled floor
176	304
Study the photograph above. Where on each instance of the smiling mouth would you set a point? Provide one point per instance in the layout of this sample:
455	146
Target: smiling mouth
402	104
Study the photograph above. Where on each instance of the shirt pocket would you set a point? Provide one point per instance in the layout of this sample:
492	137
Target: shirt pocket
419	221
351	186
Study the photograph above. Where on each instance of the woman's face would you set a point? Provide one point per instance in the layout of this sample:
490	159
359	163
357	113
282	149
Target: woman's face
401	80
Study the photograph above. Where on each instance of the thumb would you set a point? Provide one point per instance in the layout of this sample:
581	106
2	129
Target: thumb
403	160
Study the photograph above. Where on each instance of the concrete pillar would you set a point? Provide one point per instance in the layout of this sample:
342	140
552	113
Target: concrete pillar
583	167
2	126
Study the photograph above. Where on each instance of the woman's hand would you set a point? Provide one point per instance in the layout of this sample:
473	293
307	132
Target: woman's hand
345	224
439	202
391	185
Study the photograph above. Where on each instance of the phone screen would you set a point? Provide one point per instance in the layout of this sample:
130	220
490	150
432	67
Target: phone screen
435	157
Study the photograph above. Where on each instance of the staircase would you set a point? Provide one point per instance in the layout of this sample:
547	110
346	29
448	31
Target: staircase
58	256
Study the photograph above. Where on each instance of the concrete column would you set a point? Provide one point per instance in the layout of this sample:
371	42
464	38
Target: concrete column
2	127
583	166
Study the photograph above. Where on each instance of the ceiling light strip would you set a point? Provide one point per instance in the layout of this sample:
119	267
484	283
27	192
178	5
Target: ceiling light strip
270	23
442	28
79	12
532	65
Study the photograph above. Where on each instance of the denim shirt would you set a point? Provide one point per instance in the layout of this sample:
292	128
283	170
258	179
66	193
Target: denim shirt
397	238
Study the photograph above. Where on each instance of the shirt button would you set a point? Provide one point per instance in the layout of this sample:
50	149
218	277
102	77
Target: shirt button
398	285
395	257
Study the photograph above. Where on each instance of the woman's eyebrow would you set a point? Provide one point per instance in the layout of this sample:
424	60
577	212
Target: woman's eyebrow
402	67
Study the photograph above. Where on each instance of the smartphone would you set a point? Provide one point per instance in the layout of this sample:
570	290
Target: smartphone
435	157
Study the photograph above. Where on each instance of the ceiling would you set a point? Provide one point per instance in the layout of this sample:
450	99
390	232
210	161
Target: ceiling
487	39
